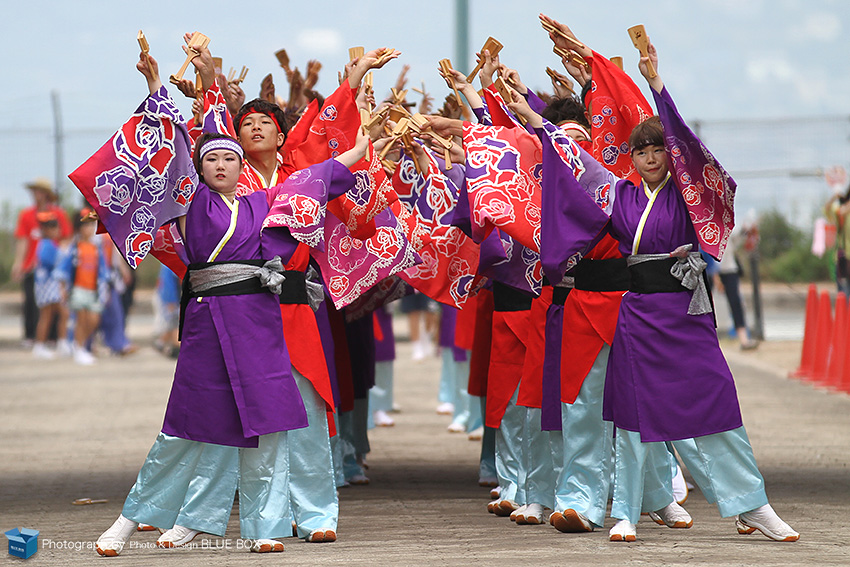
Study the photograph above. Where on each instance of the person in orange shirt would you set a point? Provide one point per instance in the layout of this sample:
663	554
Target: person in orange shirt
82	272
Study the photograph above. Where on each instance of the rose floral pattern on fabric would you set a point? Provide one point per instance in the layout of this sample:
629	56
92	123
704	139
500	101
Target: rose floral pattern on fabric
448	272
708	190
350	266
503	174
618	106
141	179
300	205
372	193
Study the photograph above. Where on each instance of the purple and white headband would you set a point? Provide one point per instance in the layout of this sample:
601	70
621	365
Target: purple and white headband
228	144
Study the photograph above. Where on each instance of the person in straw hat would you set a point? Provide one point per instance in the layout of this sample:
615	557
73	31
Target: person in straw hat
27	235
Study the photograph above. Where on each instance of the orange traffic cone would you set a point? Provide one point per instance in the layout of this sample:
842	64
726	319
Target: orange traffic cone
822	338
838	340
807	359
844	384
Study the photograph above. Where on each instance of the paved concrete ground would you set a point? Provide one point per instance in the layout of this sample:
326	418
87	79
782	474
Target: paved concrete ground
70	432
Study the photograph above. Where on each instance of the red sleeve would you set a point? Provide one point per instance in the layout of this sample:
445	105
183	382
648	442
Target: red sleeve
25	223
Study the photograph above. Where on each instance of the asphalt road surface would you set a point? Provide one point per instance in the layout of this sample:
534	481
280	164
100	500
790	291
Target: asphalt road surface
71	432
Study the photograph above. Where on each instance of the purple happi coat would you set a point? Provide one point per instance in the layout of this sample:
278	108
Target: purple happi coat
667	377
233	380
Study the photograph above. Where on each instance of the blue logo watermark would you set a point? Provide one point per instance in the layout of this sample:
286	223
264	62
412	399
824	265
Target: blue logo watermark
23	542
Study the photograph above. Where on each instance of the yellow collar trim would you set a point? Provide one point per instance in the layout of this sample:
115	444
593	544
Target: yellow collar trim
651	195
234	214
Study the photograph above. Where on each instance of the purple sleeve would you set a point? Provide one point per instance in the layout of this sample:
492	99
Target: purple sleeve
483	115
448	318
462	217
571	221
708	190
596	180
300	202
534	102
384	349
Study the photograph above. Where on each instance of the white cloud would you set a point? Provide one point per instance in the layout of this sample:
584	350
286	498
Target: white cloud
820	26
764	68
812	91
319	41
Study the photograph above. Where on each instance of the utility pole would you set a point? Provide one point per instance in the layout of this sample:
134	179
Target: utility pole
462	35
58	144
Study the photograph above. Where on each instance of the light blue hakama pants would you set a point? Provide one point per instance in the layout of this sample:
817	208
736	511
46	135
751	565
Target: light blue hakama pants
540	463
381	394
192	484
454	380
588	449
487	460
353	439
722	465
509	465
337	453
311	471
448	388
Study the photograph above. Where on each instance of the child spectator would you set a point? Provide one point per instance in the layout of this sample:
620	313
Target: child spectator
83	272
48	291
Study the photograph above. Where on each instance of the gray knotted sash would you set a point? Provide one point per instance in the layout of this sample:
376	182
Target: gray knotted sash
270	275
688	269
315	290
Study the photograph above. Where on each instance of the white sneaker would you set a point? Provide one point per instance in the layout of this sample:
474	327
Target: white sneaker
768	522
419	353
457	427
266	546
382	419
178	536
476	434
82	356
672	516
495	492
63	348
112	541
445	408
41	350
623	530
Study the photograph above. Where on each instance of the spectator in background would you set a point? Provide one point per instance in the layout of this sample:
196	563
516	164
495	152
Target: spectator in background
166	303
419	307
727	278
27	235
836	210
83	272
48	291
113	317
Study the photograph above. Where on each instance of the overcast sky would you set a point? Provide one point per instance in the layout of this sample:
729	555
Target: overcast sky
720	59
